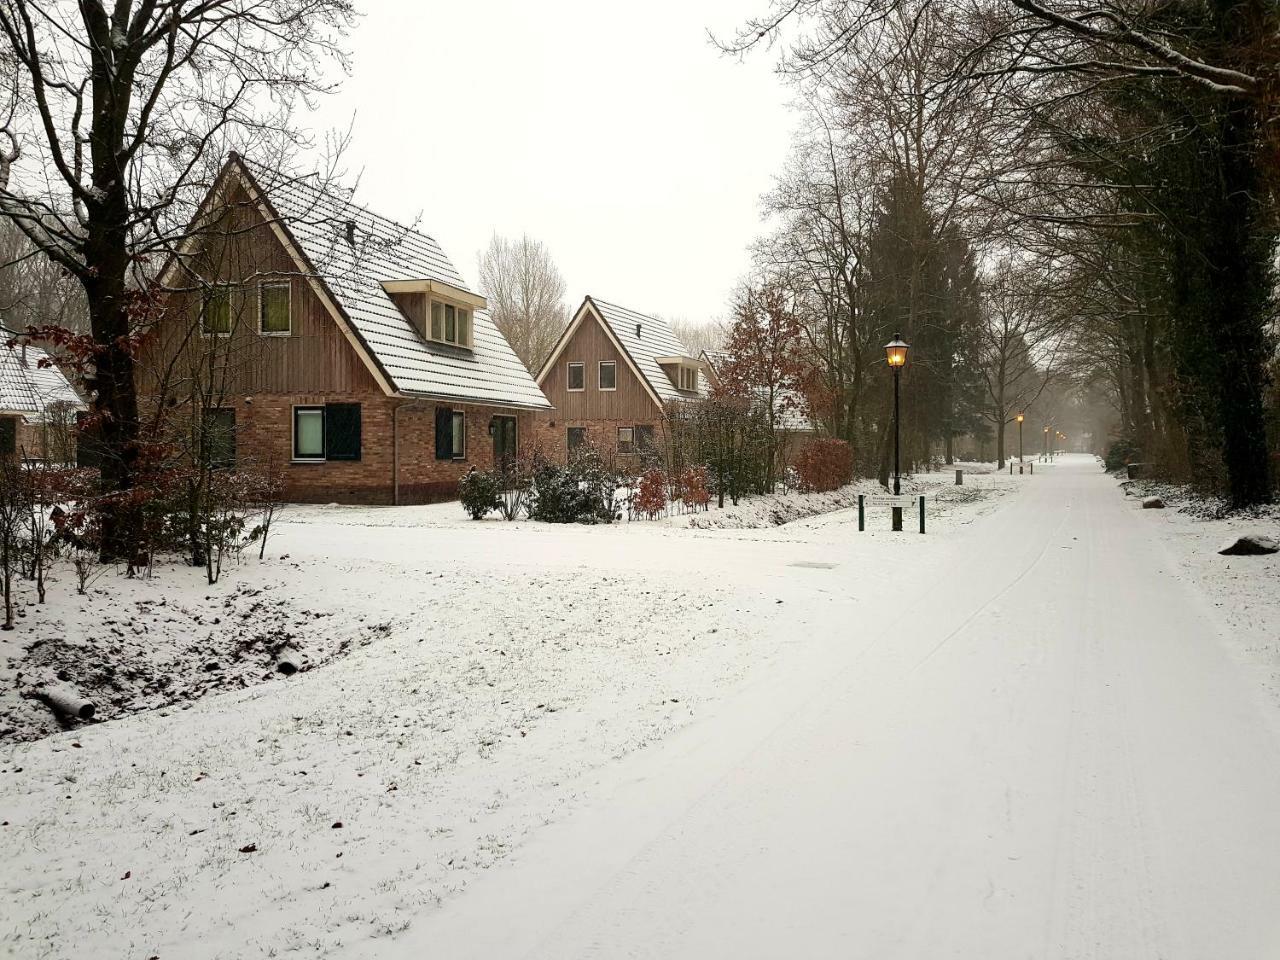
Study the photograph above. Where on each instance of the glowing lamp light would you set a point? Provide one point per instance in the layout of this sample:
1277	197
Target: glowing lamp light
896	351
1021	417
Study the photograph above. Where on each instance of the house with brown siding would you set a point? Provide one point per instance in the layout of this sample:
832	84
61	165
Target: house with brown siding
38	405
609	378
339	347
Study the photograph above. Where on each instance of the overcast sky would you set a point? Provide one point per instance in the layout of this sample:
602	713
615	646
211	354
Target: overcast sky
614	133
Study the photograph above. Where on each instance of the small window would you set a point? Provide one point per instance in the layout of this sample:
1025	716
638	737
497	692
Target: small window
331	432
218	438
450	324
308	433
577	376
273	308
464	327
577	438
688	378
626	440
644	440
215	311
459	447
608	375
437	320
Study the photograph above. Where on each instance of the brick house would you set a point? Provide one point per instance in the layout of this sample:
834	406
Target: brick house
609	377
311	335
38	405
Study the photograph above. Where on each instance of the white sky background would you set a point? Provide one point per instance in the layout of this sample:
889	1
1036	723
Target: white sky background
616	133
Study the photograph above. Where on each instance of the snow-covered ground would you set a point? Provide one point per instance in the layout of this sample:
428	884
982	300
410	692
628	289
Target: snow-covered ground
1015	736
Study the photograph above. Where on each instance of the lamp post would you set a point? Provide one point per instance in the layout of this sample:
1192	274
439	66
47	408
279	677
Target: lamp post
896	354
1046	443
1021	417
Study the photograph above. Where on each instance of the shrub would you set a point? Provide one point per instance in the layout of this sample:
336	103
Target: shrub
1122	452
651	497
583	492
695	492
480	491
824	464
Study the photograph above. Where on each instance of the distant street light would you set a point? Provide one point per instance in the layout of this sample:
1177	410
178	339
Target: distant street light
896	354
1021	417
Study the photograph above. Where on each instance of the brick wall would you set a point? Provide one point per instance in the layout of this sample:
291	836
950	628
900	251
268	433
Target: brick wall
552	433
264	437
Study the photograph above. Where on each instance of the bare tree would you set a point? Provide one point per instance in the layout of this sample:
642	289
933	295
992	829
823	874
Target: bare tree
526	296
118	113
710	335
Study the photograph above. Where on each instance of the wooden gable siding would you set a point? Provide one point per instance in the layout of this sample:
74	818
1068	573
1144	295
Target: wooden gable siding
589	345
315	357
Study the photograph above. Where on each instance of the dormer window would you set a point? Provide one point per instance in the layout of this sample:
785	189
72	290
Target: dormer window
683	372
440	312
450	323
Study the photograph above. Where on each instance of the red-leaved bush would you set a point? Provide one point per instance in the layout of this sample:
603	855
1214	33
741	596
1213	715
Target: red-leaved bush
694	491
651	497
824	464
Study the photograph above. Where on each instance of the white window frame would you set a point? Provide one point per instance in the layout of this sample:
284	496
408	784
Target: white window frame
289	291
293	433
568	376
455	417
458	308
688	379
600	379
228	287
631	442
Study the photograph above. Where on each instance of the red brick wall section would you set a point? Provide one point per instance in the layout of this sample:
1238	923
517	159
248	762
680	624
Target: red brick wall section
552	433
264	437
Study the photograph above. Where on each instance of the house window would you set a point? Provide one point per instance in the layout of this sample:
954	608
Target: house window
451	434
577	376
459	435
330	432
9	436
688	378
608	375
644	439
273	308
577	438
308	433
450	324
215	311
626	440
218	438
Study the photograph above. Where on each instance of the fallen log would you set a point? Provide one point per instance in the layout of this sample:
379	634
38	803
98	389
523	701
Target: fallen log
67	701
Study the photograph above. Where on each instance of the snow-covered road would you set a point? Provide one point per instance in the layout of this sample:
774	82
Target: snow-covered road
1031	744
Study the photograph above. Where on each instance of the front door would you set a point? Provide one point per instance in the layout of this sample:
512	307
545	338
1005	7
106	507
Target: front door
504	442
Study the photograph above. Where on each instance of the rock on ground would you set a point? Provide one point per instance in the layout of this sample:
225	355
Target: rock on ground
1249	545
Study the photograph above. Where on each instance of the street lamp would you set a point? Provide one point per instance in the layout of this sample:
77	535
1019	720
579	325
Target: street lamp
1046	443
896	353
1021	417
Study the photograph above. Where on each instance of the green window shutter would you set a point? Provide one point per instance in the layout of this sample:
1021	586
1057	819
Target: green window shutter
219	438
342	431
8	436
444	433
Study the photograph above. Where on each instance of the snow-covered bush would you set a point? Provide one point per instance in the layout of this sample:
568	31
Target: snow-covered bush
583	492
824	464
480	492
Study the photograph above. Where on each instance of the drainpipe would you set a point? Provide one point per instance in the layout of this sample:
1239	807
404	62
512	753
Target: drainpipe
395	447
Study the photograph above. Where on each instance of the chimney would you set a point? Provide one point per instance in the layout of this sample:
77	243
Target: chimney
637	331
351	232
23	358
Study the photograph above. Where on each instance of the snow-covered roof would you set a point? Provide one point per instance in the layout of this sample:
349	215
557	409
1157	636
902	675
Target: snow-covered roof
317	219
27	387
646	339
